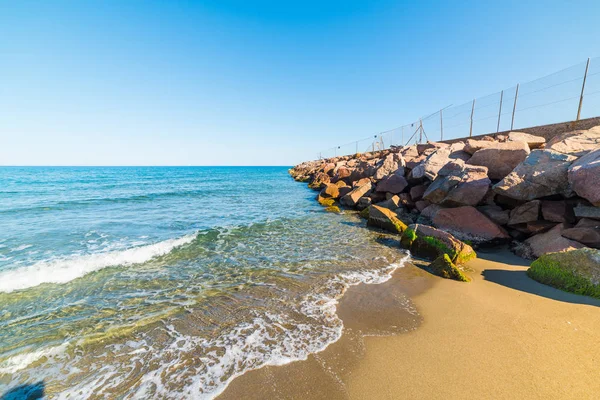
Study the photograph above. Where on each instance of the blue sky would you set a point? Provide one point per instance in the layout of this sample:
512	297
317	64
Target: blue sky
257	82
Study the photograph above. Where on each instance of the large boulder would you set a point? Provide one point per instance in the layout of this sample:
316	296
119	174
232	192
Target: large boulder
525	213
542	173
392	163
351	199
330	191
584	177
500	158
474	145
577	142
534	142
435	162
552	242
386	219
587	212
393	183
430	243
495	213
576	271
458	184
319	181
587	231
466	223
444	267
391	204
364	169
557	211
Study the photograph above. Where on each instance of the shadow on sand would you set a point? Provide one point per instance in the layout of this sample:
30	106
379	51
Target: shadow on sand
25	392
518	280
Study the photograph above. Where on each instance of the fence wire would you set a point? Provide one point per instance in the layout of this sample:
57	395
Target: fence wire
566	95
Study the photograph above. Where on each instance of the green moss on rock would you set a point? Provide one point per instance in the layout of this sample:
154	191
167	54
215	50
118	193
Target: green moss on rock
325	202
333	209
364	213
575	271
443	266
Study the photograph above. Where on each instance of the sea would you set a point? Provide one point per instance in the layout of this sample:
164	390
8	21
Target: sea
168	282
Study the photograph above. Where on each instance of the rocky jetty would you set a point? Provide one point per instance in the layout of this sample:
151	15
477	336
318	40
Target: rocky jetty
541	197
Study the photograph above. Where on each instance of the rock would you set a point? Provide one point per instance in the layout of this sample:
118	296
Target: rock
552	241
364	169
587	231
333	209
466	223
330	190
385	219
584	177
557	211
473	145
422	204
534	142
495	213
405	200
319	181
430	211
352	198
500	158
393	184
576	271
416	192
443	266
328	169
524	213
435	162
577	142
404	215
361	182
391	203
342	173
422	147
326	202
341	184
587	212
344	190
458	184
543	173
390	164
363	203
430	243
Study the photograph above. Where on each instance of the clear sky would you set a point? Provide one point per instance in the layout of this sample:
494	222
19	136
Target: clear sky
257	82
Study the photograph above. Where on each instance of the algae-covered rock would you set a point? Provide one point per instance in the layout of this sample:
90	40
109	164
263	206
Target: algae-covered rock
385	219
576	271
325	202
430	243
333	209
443	266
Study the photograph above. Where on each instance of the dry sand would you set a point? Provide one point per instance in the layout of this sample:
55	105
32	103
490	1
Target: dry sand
502	336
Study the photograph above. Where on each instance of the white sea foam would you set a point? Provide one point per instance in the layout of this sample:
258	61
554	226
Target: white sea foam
66	269
270	338
21	361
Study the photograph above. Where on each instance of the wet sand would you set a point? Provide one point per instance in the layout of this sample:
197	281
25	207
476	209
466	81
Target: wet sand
502	336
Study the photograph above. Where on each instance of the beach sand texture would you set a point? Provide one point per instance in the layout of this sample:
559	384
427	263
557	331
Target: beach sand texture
502	336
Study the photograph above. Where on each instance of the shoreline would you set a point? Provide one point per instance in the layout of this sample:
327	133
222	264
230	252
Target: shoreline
502	335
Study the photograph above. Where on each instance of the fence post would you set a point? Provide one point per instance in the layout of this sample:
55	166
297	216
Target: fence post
512	122
472	111
587	65
441	126
500	111
420	131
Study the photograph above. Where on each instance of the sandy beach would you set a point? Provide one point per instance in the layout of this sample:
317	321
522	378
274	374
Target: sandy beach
501	336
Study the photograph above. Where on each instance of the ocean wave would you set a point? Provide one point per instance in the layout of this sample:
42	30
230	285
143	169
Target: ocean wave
21	361
66	269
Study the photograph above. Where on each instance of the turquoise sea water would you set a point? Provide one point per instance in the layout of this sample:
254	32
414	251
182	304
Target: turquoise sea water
152	282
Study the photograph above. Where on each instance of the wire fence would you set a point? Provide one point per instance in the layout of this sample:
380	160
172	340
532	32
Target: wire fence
566	95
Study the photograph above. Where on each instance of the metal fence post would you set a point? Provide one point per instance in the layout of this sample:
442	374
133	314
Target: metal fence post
472	111
512	122
441	126
500	111
587	65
